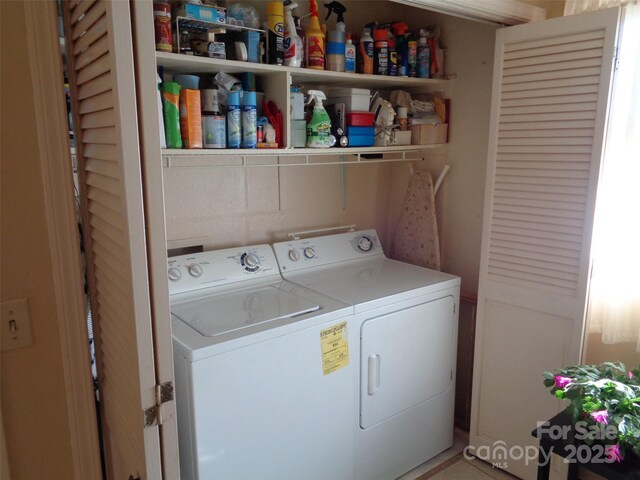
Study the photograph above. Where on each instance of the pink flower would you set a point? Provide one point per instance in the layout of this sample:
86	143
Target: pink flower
614	454
601	416
561	381
630	374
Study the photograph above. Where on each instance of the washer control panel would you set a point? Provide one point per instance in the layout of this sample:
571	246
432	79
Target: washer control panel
220	267
318	251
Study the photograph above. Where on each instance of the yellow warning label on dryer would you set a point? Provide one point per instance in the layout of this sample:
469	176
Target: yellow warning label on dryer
335	348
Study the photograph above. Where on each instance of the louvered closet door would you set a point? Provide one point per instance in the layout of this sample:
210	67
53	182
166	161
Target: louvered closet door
101	74
551	88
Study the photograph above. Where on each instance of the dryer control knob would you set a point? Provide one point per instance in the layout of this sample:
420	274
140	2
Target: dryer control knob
174	274
251	260
294	255
309	252
365	244
195	270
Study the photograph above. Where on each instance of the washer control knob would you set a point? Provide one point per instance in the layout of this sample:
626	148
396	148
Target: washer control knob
365	244
294	255
251	260
174	274
309	252
195	269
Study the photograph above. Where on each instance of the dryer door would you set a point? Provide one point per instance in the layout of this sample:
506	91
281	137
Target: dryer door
407	357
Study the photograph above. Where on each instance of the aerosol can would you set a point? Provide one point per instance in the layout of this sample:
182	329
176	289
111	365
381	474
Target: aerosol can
319	127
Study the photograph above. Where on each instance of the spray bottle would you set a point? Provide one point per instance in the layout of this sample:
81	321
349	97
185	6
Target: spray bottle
402	48
292	42
314	39
319	127
336	39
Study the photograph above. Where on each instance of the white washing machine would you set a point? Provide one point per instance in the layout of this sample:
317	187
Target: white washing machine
263	371
405	332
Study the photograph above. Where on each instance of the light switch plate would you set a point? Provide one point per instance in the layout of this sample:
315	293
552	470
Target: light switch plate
15	328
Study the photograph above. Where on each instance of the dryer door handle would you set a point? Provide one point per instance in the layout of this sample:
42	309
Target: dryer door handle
374	374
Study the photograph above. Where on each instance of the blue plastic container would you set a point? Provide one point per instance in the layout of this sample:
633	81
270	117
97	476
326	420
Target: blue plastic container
361	136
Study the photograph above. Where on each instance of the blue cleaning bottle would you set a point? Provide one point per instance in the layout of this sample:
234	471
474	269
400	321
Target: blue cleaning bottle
234	125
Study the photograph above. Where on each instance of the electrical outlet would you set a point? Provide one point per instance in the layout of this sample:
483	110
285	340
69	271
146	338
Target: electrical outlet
15	330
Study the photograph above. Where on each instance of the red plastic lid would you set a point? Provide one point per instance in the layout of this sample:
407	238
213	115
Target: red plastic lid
380	34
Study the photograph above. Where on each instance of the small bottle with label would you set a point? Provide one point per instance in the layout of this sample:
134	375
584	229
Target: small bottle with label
214	125
350	56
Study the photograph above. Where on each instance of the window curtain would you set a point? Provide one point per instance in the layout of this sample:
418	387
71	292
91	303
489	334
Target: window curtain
614	300
572	7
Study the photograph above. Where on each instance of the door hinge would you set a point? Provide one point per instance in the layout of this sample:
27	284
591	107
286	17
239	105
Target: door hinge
616	59
153	415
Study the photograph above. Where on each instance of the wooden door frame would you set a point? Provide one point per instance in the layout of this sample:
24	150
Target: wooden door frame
55	157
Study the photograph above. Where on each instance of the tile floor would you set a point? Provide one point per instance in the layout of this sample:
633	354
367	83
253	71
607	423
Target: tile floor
452	465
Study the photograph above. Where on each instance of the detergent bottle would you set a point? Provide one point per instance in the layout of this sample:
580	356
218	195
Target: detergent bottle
319	127
402	48
314	40
292	42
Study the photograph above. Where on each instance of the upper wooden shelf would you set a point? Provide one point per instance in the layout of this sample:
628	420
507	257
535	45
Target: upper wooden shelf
177	63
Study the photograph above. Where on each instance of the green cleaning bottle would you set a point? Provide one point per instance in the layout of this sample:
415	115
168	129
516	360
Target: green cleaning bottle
319	127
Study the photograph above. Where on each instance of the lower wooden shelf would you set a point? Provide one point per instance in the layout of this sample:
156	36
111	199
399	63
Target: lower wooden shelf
292	156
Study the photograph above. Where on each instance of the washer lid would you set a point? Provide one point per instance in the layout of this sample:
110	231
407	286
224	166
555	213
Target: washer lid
217	314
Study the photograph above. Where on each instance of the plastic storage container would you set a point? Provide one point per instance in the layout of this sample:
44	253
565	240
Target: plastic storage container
361	119
361	136
355	99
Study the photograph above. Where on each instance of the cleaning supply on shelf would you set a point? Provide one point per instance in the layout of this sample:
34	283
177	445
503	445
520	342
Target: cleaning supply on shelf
400	29
412	55
423	55
171	108
300	32
275	19
339	9
249	120
336	38
292	42
319	127
380	52
190	118
349	56
234	125
367	51
335	57
214	125
314	39
392	70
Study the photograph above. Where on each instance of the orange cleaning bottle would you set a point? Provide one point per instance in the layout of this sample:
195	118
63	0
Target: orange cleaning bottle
314	40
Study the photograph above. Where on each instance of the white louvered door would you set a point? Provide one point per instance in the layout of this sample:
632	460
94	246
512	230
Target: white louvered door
102	79
550	95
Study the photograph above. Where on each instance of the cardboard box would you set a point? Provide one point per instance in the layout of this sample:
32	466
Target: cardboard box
400	137
429	134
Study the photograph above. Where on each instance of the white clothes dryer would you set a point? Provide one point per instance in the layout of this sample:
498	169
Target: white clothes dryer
405	333
263	377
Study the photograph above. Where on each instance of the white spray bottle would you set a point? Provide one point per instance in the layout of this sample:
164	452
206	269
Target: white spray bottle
292	42
319	127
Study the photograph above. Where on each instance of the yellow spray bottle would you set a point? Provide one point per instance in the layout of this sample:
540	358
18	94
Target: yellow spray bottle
314	40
